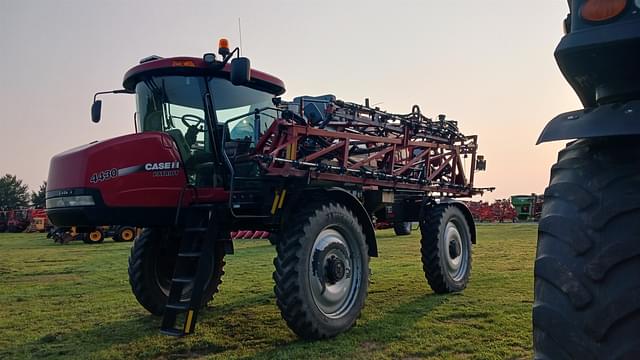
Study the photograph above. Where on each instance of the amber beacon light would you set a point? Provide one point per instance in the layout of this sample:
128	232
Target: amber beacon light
223	47
600	10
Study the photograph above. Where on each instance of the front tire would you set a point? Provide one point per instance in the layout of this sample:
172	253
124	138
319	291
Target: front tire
446	248
151	263
321	271
587	288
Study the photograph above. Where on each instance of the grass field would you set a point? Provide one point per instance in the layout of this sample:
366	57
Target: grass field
74	301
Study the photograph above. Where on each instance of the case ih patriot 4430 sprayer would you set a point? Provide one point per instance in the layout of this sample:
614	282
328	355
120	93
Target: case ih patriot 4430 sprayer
216	150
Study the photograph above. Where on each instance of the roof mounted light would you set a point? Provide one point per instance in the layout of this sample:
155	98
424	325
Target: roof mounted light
150	58
183	63
601	10
223	47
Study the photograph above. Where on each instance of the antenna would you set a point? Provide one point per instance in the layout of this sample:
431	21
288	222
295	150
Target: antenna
240	32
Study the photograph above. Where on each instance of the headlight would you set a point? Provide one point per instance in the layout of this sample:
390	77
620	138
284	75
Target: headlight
66	201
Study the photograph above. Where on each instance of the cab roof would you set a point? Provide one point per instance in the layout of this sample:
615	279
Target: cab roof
191	66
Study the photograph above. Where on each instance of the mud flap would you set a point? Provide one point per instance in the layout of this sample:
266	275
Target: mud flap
606	120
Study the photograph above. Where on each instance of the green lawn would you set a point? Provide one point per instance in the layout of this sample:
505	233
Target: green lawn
74	301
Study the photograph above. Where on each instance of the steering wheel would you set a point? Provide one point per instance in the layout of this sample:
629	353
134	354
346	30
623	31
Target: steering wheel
190	121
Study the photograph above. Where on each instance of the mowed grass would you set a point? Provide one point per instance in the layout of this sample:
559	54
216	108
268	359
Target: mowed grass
74	301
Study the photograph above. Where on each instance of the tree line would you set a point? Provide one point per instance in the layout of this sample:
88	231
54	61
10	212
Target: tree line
15	194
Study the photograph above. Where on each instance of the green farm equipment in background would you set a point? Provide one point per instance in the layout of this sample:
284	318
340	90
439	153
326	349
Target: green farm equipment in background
528	207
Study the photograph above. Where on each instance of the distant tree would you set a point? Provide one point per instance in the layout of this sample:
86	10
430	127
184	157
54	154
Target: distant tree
38	198
13	193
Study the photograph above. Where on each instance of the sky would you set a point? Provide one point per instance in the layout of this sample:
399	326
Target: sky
487	64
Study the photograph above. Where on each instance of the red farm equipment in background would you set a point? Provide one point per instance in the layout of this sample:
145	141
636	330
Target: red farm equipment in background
39	221
498	211
26	219
15	220
503	211
250	234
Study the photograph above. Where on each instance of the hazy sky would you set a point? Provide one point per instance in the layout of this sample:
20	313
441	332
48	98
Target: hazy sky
488	64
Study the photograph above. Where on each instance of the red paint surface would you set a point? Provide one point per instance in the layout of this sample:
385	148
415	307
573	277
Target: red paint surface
197	63
74	168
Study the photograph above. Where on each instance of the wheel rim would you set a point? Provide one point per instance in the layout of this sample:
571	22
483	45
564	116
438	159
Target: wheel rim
335	273
94	236
127	235
455	250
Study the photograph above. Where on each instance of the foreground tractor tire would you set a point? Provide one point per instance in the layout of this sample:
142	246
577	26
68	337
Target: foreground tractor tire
153	257
587	283
93	237
124	233
402	228
446	248
321	271
273	239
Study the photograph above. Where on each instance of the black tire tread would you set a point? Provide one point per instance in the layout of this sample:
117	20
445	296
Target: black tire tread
430	252
142	245
587	294
289	298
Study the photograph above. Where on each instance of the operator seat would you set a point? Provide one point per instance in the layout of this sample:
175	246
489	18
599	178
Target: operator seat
183	146
153	121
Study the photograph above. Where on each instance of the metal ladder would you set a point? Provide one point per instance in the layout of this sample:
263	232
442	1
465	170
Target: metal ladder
192	268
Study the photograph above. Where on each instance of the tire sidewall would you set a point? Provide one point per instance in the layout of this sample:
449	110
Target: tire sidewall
155	297
454	214
345	223
144	277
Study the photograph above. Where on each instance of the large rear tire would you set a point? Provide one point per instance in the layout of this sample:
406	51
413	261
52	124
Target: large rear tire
321	271
446	248
587	283
151	263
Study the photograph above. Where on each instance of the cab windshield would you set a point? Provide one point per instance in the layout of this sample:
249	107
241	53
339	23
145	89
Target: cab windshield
231	102
176	105
166	103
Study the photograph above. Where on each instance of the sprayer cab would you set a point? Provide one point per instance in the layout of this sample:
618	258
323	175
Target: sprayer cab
183	104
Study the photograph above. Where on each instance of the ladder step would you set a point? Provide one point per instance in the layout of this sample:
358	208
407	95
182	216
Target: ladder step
190	254
172	332
182	280
178	306
190	270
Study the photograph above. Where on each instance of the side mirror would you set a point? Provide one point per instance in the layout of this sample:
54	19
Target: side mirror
240	71
96	109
